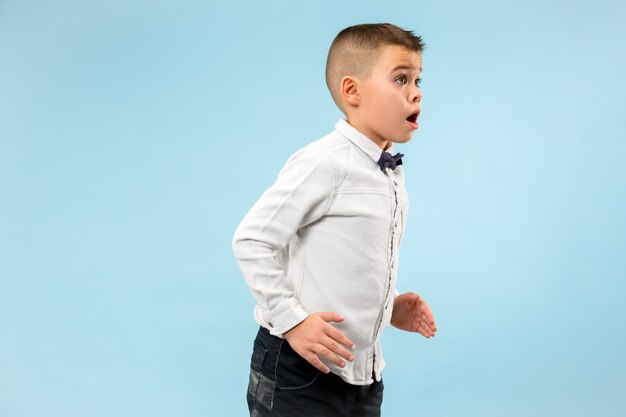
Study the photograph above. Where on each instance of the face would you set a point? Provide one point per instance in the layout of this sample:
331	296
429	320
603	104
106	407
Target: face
389	99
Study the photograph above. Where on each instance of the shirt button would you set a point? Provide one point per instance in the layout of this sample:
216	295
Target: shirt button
269	323
395	182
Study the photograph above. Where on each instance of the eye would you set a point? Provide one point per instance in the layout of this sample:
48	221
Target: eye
418	81
402	80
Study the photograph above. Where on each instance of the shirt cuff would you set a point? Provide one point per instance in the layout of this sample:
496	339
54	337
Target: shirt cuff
396	291
285	316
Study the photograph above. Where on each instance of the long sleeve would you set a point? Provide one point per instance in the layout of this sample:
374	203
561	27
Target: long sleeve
301	194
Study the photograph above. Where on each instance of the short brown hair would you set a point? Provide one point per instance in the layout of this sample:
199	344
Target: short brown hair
355	49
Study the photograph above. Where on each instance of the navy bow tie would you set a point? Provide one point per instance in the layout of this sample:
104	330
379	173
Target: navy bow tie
386	160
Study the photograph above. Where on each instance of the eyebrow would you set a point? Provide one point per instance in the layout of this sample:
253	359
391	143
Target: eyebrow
409	67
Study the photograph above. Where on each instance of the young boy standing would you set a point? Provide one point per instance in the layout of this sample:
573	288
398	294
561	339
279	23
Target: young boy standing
320	246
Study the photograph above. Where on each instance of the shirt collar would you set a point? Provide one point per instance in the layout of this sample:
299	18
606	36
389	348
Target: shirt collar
359	139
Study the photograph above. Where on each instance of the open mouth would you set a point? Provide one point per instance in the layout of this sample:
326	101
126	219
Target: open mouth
412	118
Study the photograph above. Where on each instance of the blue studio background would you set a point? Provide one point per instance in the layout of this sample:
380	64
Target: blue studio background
135	135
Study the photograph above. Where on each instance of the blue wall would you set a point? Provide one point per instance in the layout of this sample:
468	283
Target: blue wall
134	136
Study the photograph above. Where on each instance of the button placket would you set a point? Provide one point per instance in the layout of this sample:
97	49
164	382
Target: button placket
394	231
390	251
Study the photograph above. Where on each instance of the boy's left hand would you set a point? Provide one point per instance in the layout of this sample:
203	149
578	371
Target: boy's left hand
412	314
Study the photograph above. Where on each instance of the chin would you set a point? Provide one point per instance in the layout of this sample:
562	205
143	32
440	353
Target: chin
404	139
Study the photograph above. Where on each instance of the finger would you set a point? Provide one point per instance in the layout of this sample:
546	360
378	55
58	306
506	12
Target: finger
423	332
328	354
416	320
422	327
330	316
430	329
338	336
428	312
338	349
416	325
426	326
315	361
431	323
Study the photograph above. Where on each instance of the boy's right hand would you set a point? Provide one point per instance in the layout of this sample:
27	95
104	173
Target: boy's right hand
314	336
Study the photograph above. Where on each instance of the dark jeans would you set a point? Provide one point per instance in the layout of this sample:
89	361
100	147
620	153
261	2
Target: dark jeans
283	384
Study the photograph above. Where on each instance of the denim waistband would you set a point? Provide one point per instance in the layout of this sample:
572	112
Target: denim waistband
269	339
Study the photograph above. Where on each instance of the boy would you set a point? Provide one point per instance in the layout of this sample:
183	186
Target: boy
320	246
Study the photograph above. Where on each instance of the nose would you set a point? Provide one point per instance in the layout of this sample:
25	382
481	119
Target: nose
416	95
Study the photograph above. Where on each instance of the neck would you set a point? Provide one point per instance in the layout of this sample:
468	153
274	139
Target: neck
380	142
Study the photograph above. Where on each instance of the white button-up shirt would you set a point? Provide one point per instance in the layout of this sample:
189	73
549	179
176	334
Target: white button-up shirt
325	237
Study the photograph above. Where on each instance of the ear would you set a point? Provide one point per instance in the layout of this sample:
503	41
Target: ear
350	91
